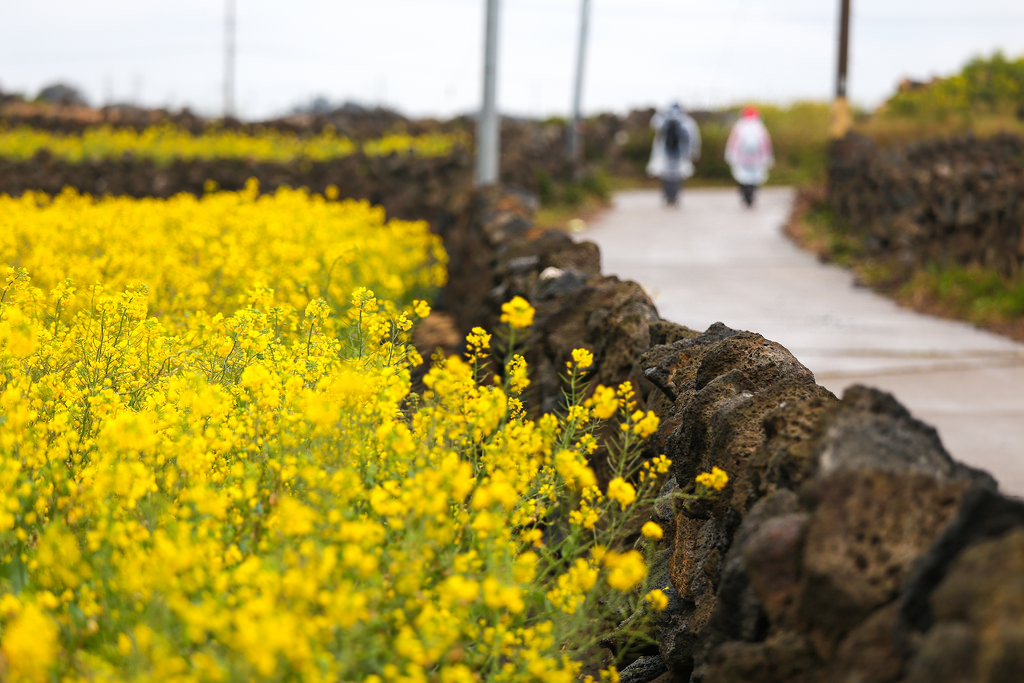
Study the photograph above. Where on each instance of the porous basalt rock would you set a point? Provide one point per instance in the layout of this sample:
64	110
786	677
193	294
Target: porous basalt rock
951	201
978	634
866	530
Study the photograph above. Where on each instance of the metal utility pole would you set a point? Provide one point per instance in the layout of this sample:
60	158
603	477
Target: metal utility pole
575	124
487	132
841	120
229	59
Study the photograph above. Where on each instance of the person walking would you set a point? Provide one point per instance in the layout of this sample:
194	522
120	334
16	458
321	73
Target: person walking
675	149
748	151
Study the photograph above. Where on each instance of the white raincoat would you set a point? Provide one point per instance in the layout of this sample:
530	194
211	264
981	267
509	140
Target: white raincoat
661	165
748	151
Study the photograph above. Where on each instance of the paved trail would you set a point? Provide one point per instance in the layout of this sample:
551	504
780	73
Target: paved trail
713	260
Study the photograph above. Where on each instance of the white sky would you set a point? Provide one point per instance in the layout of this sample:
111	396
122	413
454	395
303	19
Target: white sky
425	57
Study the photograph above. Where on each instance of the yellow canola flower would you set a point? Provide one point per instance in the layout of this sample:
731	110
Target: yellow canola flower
478	340
716	479
517	312
652	530
165	142
622	491
204	255
572	587
657	599
525	568
582	359
574	470
585	516
659	464
518	377
502	597
17	334
625	570
645	424
604	403
421	308
29	644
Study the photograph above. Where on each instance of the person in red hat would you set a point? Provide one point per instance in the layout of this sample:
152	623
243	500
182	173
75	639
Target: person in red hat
748	151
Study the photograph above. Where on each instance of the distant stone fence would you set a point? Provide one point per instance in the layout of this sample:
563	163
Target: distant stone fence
848	545
408	188
952	201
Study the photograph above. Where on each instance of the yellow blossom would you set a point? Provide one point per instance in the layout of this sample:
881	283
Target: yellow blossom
625	570
657	599
716	479
17	334
421	308
517	312
652	530
29	644
478	340
517	374
645	424
604	403
585	517
164	142
573	586
573	468
582	359
622	491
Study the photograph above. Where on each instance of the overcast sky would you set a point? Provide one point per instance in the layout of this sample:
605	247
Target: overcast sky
425	57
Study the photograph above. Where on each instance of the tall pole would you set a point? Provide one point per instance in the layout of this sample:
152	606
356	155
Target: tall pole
575	132
487	124
229	59
844	47
841	120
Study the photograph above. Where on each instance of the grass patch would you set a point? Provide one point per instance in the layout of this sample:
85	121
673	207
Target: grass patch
561	215
978	295
563	202
814	226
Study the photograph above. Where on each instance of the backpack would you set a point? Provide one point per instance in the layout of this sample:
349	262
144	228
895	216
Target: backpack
677	138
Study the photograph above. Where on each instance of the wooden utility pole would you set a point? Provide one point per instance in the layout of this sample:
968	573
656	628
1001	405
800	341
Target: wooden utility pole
840	119
487	125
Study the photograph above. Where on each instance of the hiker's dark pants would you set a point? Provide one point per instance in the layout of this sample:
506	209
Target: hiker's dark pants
747	192
670	188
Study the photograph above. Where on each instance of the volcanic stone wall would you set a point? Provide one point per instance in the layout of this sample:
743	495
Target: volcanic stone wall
951	201
407	187
848	545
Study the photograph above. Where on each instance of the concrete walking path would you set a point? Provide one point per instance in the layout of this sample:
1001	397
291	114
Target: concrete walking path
712	260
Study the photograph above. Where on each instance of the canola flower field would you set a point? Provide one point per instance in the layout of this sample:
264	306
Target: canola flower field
213	466
165	143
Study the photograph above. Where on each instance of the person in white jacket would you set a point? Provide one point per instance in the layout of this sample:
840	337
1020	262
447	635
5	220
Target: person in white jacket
748	151
675	149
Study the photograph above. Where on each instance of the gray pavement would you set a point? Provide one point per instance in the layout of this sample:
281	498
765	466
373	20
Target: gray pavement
712	260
